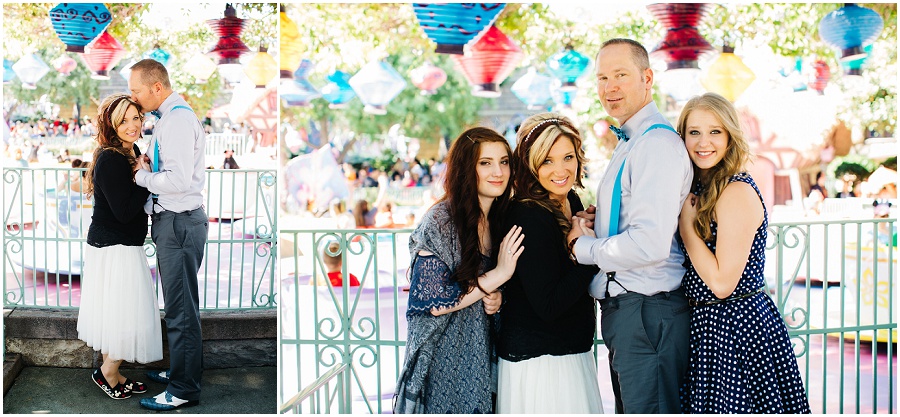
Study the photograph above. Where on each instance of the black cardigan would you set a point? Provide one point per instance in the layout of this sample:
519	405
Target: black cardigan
119	217
547	309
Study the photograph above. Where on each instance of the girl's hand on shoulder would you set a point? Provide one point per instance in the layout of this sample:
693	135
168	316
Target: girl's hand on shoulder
510	249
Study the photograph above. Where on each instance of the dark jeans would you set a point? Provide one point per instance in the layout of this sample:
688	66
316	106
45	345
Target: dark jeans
649	349
180	239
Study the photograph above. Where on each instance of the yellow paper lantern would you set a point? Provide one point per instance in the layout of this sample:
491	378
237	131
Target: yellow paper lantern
290	46
728	75
262	68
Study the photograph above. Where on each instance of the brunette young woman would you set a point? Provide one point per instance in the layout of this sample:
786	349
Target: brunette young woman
461	255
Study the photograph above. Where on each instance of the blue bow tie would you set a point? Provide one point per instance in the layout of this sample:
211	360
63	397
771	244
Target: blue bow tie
619	133
156	113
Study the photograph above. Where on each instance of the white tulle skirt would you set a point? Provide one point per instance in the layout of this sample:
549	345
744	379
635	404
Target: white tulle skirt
119	314
549	385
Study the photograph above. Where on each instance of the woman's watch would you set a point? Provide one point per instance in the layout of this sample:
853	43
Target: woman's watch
571	248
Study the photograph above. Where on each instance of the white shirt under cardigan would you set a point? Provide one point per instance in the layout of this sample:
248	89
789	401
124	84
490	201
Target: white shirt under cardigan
182	147
655	182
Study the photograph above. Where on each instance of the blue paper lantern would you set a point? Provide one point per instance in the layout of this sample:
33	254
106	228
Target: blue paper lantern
30	69
849	28
533	88
299	91
454	25
159	55
567	66
338	91
8	73
562	97
77	24
376	84
854	67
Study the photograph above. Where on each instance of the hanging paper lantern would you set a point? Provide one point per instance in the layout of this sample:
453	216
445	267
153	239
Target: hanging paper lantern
428	78
728	76
125	71
489	62
338	91
261	68
376	84
158	54
102	55
30	69
854	67
823	75
562	97
200	67
64	64
849	28
77	24
533	88
568	66
683	46
289	44
8	73
454	25
794	77
299	91
229	47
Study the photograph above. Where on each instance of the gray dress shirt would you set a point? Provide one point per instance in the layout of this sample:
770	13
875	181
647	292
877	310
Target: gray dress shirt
182	146
655	182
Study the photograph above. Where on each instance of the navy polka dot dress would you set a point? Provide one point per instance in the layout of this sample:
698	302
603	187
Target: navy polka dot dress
741	356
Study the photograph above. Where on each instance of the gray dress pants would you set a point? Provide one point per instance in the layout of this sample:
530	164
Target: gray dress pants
648	338
180	239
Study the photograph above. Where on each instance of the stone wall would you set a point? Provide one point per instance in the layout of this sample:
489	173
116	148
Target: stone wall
231	338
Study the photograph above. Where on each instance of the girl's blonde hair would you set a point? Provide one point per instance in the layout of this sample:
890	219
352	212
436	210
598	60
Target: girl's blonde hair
737	155
535	137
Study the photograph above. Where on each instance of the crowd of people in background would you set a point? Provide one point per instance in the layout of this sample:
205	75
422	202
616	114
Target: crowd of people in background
71	128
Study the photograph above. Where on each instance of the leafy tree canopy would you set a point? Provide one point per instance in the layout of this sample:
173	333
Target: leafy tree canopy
346	36
27	29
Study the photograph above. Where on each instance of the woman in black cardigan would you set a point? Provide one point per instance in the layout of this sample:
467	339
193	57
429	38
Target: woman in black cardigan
548	320
119	313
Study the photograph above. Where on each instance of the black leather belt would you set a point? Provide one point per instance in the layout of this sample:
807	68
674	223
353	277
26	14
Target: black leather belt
694	303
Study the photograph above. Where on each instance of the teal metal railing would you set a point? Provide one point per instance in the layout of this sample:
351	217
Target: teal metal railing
46	224
832	281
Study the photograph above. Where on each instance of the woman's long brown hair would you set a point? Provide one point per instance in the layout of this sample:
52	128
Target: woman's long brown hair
461	193
111	116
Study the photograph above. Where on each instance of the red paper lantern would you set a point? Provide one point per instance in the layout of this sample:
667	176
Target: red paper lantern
823	75
488	62
102	55
229	48
428	78
683	45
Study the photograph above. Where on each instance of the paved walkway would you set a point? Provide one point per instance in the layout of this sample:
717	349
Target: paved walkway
66	390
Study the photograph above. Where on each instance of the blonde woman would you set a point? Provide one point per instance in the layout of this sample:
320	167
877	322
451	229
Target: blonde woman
741	355
119	314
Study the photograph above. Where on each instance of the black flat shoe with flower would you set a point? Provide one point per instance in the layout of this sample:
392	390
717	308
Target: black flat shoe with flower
136	387
119	392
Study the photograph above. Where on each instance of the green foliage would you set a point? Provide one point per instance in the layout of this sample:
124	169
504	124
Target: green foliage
386	161
857	168
890	163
